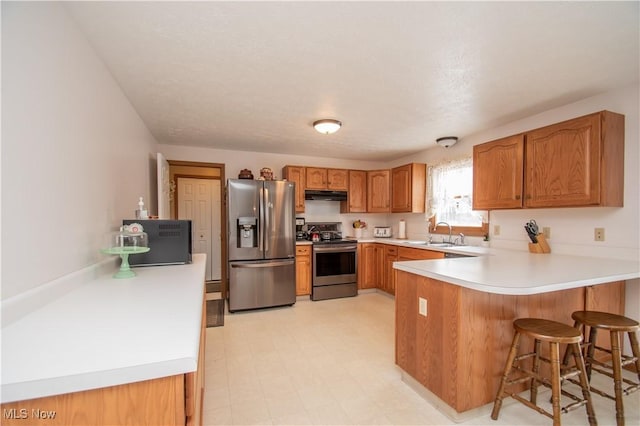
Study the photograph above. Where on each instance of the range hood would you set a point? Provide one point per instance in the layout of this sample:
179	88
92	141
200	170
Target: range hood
325	195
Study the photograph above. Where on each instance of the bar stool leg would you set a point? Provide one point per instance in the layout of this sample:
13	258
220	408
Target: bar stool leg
567	353
536	368
633	339
584	384
555	381
593	334
507	369
616	361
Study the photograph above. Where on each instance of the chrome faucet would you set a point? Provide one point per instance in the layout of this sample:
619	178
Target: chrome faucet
460	240
445	223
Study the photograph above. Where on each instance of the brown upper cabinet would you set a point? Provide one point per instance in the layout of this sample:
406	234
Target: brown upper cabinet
408	185
296	174
578	162
498	170
357	193
378	188
330	179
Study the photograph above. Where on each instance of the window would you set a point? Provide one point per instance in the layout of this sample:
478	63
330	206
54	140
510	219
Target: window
450	196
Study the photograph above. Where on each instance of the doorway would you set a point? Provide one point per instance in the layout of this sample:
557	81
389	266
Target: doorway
199	201
197	194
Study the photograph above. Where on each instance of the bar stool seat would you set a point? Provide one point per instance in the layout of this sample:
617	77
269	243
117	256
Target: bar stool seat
616	325
554	333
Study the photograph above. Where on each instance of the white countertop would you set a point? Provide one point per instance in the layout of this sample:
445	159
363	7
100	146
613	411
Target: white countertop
523	273
107	332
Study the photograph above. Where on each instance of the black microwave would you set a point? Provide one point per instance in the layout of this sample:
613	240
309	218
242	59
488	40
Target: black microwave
169	242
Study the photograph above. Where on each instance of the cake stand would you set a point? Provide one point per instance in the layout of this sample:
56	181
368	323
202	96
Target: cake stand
124	252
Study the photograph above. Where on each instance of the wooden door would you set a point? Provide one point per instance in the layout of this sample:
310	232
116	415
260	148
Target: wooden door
296	174
378	191
303	270
338	179
498	174
357	193
408	188
401	189
367	265
563	164
316	178
390	256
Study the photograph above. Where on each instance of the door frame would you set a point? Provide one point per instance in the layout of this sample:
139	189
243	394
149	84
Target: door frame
198	170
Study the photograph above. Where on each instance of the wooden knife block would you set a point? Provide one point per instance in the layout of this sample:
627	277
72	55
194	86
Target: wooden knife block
541	246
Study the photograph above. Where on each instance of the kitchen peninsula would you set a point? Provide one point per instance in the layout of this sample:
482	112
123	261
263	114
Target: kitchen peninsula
456	350
110	351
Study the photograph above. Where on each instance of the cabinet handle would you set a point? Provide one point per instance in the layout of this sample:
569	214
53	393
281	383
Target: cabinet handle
517	197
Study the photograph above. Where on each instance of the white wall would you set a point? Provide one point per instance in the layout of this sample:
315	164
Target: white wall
75	155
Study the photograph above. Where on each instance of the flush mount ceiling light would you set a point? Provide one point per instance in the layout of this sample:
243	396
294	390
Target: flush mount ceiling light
327	126
447	141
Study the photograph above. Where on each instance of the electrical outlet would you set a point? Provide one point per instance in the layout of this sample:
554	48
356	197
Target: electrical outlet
496	230
598	234
422	306
546	231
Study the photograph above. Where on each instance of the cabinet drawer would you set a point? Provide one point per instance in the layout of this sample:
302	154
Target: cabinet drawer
303	250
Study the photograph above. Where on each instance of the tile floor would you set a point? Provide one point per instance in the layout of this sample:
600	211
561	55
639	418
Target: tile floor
332	363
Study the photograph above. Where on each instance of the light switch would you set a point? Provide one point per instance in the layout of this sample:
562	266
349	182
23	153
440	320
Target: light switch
422	306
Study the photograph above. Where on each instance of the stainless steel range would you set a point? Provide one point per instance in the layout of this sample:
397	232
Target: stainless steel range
334	262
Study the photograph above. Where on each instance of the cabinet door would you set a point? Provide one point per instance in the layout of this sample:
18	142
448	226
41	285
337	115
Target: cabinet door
563	164
367	265
357	193
390	256
498	174
296	174
303	270
408	185
316	178
378	191
338	179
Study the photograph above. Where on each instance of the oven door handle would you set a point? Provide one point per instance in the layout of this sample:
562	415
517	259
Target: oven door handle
334	249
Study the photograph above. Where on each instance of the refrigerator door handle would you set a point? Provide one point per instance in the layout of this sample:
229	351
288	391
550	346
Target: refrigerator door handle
266	218
261	226
262	265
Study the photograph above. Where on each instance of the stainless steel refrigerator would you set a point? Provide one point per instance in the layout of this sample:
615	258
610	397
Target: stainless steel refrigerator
261	235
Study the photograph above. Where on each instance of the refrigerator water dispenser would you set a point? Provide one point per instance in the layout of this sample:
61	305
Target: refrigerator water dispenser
247	228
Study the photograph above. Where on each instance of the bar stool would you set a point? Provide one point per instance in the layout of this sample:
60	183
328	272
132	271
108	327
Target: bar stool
617	325
554	333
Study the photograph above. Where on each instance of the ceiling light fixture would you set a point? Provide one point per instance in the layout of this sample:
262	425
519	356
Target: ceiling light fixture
447	141
327	126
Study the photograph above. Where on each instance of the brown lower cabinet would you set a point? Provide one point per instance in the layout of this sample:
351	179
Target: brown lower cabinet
173	400
303	270
375	263
457	351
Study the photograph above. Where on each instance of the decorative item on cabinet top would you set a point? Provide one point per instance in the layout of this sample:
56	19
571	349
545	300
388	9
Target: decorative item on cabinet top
245	174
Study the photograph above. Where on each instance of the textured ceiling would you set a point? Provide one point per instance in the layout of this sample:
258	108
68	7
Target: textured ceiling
254	76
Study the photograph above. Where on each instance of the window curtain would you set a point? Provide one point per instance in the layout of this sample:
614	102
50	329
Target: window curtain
450	189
